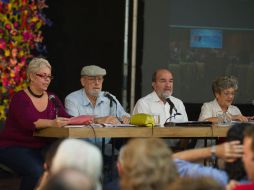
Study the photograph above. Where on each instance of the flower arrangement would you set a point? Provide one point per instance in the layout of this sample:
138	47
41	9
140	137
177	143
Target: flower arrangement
21	22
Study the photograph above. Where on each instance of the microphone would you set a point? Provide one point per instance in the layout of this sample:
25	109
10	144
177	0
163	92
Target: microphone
172	107
110	97
52	98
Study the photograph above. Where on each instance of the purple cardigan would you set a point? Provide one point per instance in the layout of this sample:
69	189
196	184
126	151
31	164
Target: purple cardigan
19	125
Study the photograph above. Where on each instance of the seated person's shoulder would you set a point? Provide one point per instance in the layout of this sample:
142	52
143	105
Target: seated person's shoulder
234	107
176	99
74	95
19	95
208	104
144	101
148	97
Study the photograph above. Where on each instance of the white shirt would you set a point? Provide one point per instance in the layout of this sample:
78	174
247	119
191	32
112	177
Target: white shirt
152	104
210	109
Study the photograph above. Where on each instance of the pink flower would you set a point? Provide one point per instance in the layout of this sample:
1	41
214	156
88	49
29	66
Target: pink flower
2	44
8	26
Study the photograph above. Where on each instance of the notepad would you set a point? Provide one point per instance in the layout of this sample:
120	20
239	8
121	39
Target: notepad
81	120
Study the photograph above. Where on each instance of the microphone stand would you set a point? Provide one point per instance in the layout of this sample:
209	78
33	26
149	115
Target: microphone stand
110	97
170	112
57	110
111	102
56	107
172	107
55	103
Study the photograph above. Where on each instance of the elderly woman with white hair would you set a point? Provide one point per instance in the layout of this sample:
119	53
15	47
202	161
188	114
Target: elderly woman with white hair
224	89
29	110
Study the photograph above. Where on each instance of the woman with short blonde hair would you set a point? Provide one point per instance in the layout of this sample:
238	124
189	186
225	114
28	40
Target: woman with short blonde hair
30	109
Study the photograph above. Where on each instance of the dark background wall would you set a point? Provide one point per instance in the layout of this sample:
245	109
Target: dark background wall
85	33
92	32
156	40
212	13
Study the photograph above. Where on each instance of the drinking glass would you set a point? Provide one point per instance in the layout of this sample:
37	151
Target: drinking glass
156	118
224	118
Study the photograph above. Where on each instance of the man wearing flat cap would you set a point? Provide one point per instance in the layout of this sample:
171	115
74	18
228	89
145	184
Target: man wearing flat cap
91	100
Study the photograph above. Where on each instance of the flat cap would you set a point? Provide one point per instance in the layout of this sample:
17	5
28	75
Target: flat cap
92	70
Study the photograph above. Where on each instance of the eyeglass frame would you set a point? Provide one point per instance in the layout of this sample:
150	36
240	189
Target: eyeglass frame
228	93
93	79
44	76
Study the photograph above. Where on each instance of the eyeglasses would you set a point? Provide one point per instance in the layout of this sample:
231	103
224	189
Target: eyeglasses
228	93
165	81
94	79
44	76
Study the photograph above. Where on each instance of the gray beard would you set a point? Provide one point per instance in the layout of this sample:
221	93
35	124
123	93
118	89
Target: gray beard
95	94
165	95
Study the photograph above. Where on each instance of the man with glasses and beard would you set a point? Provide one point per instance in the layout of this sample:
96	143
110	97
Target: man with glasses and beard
91	100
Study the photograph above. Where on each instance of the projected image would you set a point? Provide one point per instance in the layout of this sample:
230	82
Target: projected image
196	67
205	38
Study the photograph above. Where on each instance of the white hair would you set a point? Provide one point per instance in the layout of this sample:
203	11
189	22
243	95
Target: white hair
79	154
36	64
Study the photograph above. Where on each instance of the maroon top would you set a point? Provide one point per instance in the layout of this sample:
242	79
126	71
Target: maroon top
19	125
245	187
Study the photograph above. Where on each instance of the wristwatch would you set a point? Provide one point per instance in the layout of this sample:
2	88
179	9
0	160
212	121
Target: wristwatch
213	155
